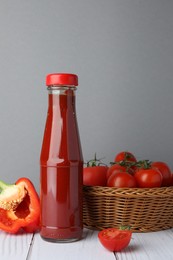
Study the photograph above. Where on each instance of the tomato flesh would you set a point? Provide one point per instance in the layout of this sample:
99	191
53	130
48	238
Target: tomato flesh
114	239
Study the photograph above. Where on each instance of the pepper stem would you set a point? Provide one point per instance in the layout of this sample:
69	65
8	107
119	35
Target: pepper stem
4	185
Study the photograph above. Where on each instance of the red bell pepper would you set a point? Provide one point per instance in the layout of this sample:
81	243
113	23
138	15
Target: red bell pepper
19	207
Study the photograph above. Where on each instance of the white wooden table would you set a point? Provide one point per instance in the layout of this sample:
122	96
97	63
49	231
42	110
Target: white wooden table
143	246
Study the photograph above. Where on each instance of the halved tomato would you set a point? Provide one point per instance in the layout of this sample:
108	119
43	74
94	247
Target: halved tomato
115	239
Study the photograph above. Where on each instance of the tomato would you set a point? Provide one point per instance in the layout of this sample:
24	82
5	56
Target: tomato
125	156
128	160
115	239
171	180
165	171
121	180
115	168
148	178
95	175
118	168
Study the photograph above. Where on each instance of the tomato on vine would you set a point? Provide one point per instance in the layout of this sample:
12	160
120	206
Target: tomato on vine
148	178
118	167
94	174
121	180
171	180
125	156
126	159
164	170
115	168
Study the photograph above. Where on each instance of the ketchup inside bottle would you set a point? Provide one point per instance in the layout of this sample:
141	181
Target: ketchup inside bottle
61	166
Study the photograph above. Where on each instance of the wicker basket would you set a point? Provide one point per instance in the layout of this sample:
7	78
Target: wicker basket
143	209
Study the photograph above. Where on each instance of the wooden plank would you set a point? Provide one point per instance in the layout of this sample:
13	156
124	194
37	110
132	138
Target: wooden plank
149	246
87	248
14	247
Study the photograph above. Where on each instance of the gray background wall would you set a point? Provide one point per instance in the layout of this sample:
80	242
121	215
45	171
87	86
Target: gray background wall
122	52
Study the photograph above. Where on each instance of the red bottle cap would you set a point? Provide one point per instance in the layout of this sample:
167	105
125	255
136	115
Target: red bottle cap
62	79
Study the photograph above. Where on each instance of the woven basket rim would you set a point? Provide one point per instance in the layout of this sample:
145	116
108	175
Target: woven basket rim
129	192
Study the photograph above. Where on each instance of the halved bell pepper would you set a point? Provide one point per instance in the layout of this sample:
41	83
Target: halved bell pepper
19	207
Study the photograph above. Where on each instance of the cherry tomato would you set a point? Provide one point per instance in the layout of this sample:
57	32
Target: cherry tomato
148	178
165	171
125	156
121	180
95	175
115	239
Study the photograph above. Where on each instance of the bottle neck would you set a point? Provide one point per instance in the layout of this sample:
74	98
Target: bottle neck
61	90
61	96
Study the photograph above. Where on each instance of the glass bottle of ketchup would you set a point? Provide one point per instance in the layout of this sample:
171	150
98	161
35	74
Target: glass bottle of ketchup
61	163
